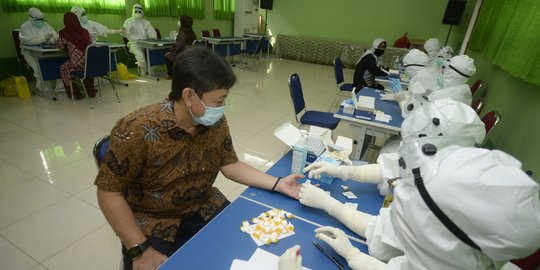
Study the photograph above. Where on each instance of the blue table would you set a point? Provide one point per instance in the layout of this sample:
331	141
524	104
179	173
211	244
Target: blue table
221	241
226	46
369	200
373	127
155	54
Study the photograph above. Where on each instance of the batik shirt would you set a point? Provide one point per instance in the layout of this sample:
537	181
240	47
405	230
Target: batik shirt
164	172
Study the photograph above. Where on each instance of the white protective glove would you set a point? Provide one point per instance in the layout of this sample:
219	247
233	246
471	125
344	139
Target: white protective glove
290	259
315	197
339	241
37	41
401	96
370	173
388	97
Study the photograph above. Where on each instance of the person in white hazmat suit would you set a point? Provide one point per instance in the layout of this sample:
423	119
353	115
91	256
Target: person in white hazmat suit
446	53
444	117
451	83
454	207
138	28
36	31
94	28
432	47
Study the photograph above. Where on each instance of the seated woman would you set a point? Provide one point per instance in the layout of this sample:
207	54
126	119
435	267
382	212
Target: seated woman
185	37
74	39
369	66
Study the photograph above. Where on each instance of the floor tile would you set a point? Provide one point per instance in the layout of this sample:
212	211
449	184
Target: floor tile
13	258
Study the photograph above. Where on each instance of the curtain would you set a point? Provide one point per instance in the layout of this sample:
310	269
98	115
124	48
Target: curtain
174	8
224	9
508	33
61	6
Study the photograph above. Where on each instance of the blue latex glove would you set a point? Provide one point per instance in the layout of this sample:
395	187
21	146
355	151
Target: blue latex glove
395	85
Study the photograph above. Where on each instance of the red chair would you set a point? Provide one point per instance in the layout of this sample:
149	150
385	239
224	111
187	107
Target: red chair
491	119
205	33
216	32
158	34
17	43
477	85
477	105
531	262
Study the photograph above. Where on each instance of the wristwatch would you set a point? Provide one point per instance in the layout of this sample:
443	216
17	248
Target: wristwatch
136	251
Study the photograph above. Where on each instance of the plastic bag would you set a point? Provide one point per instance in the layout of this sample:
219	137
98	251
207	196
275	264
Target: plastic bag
123	72
402	42
15	86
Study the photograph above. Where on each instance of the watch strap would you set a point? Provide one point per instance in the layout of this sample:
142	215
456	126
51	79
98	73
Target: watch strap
136	251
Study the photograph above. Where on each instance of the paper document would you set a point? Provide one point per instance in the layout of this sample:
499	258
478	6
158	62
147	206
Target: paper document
366	103
260	260
381	116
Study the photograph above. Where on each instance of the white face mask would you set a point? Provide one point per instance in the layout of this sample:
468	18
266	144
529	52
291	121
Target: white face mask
138	15
179	24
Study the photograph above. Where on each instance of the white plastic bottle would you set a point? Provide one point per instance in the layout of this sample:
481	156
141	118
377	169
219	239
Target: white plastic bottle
299	153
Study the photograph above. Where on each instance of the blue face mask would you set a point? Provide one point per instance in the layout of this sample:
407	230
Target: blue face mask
39	23
84	19
211	114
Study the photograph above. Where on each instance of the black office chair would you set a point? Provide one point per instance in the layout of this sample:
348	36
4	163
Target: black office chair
254	52
97	64
315	118
17	44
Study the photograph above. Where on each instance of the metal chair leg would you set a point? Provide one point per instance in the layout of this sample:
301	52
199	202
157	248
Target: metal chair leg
114	88
86	93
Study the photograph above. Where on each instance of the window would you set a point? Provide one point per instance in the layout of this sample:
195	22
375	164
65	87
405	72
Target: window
61	6
174	8
506	32
224	9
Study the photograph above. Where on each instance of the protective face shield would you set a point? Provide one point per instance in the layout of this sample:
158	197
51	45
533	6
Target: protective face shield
481	198
443	117
458	70
211	114
37	17
138	12
432	47
413	61
416	152
444	54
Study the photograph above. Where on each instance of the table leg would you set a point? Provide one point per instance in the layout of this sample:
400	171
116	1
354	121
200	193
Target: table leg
361	131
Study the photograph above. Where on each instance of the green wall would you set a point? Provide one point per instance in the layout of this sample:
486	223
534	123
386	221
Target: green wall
363	21
518	102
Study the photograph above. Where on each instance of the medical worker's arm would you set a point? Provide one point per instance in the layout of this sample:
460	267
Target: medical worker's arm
339	241
370	173
315	197
244	174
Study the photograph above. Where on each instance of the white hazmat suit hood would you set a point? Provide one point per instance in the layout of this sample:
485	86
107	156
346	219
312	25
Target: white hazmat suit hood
414	61
137	11
37	17
432	47
491	207
458	70
443	117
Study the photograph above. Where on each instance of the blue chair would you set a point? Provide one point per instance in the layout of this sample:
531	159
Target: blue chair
314	118
97	64
338	72
100	149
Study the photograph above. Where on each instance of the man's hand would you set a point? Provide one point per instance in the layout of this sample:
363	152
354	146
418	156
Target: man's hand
289	185
149	260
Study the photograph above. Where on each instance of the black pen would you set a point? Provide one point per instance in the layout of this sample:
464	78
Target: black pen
334	260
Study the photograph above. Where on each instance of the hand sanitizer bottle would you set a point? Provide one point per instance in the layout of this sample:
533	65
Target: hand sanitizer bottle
300	154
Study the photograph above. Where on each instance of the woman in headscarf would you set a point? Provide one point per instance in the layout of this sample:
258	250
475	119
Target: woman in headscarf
185	37
74	39
369	66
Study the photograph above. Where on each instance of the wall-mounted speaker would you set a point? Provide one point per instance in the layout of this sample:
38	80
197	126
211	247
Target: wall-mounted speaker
454	11
267	4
